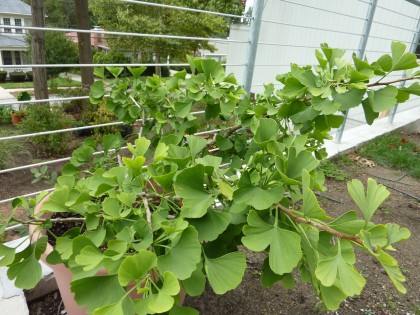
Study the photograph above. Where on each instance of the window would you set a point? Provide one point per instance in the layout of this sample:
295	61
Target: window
6	21
18	22
17	58
7	57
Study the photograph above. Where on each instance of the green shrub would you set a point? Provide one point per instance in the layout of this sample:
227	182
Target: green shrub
30	75
3	75
45	118
17	76
5	115
24	96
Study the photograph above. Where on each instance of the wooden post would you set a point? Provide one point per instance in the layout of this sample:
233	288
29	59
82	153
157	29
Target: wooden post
38	50
85	47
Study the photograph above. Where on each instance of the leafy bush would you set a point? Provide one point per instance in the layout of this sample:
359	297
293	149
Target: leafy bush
5	112
43	118
3	76
17	76
30	75
11	151
24	96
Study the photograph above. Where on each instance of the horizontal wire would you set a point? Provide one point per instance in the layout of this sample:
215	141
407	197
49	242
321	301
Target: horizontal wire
82	65
312	28
324	10
48	100
399	13
68	30
385	38
26	195
394	26
43	133
185	9
298	46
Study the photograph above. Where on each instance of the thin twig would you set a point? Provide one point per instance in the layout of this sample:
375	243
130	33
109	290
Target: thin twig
319	226
391	82
227	134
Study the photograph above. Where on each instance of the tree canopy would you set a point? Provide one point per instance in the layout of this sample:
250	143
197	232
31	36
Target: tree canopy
128	17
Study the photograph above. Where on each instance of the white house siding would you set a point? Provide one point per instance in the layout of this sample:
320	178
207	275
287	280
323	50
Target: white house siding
294	44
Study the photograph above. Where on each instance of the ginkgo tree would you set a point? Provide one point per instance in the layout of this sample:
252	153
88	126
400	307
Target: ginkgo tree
165	213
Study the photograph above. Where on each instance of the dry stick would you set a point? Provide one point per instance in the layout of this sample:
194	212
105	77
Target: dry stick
40	220
319	226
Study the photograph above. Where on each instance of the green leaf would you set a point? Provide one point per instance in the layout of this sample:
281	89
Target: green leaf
137	71
292	87
160	152
348	223
267	131
183	256
350	99
370	115
391	267
211	225
395	234
223	143
97	89
402	60
383	99
189	185
255	196
369	202
195	144
297	162
336	267
27	273
136	267
7	255
225	273
89	258
195	285
332	296
213	69
124	306
285	250
97	291
324	105
310	207
183	310
141	145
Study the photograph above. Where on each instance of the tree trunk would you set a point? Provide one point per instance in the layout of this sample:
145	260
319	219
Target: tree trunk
38	50
158	69
85	47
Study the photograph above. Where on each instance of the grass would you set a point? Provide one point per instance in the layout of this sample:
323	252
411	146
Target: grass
10	150
56	82
332	170
393	151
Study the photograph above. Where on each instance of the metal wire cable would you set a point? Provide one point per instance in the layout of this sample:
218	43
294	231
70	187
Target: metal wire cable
297	46
49	100
310	27
394	26
83	65
324	10
185	9
58	29
399	13
385	38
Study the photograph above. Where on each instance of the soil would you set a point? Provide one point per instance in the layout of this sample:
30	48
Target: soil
379	297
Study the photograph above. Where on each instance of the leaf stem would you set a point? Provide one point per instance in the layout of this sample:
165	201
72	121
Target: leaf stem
319	226
394	81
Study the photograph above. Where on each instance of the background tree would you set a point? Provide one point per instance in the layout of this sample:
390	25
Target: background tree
59	49
125	17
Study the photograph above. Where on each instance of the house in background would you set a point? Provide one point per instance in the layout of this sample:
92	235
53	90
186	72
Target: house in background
12	40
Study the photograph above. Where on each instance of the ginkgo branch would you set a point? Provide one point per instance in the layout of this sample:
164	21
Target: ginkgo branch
319	226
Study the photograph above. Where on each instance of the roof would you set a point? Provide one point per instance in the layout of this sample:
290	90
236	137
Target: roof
15	7
12	40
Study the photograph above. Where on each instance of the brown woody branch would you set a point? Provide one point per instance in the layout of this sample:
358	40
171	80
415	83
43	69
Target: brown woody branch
319	226
391	82
227	134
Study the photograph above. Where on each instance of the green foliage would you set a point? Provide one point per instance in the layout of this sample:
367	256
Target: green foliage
11	151
43	173
3	76
59	49
395	151
332	170
17	76
176	211
40	118
112	57
5	112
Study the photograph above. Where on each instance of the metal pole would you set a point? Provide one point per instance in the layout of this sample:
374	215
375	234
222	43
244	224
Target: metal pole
360	54
254	34
413	48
